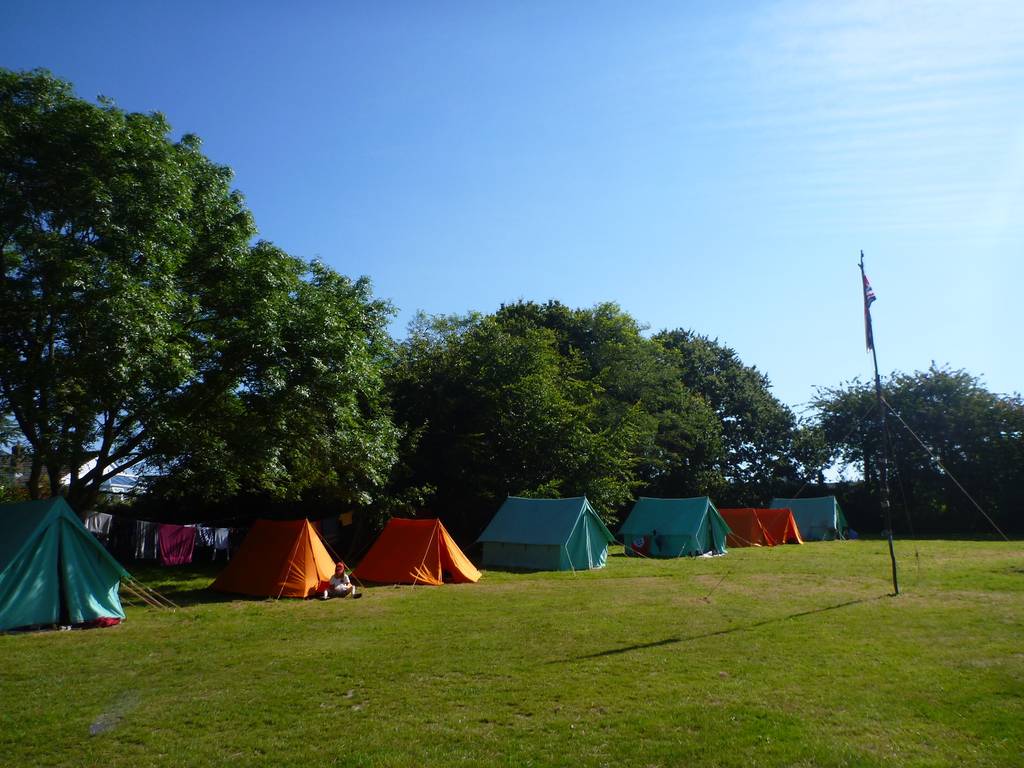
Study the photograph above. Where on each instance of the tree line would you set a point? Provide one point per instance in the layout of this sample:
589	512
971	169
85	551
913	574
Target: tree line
143	327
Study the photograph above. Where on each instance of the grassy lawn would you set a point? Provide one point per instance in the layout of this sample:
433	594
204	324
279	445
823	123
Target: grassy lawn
785	656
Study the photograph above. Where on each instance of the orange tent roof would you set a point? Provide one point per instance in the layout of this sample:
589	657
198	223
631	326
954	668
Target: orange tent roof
279	558
761	527
415	552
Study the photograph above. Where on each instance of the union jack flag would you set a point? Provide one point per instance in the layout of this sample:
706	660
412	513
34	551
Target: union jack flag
869	298
869	293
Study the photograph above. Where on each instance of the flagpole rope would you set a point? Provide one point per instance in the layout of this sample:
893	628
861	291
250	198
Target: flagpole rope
940	465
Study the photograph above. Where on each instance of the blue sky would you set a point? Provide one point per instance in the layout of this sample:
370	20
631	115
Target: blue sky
706	167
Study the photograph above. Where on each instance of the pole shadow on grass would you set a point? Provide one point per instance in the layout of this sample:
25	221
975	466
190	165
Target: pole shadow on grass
718	632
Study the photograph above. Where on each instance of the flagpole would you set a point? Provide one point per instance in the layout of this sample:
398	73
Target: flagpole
883	465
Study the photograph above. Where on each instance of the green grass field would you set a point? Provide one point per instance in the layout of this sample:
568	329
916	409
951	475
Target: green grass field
785	656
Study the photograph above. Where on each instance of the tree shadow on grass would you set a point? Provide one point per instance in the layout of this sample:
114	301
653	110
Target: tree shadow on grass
718	632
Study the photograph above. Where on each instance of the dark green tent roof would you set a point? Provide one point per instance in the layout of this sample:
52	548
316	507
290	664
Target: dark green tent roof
18	522
22	523
52	568
669	517
540	521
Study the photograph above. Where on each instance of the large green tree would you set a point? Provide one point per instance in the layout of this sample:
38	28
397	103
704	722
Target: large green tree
496	410
677	437
544	400
757	429
977	435
139	326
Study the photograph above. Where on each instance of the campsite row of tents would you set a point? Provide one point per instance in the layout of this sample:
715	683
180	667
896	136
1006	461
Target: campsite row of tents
53	571
567	534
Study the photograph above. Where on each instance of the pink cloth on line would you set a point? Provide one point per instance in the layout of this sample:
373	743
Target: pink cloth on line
176	544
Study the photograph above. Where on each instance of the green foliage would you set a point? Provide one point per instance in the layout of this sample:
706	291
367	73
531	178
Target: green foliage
674	436
544	400
139	326
499	411
757	429
811	452
309	419
11	493
976	434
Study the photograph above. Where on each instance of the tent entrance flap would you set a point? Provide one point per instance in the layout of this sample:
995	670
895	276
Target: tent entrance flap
89	588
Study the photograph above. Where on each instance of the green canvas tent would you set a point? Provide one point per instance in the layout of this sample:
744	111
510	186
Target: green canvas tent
52	570
546	535
674	527
819	518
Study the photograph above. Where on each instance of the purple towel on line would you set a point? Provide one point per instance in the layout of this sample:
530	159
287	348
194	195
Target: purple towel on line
176	544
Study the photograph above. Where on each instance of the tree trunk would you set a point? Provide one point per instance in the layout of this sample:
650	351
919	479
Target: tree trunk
83	497
53	475
33	478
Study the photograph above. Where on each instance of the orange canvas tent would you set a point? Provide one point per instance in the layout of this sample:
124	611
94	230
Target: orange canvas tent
279	558
415	552
761	527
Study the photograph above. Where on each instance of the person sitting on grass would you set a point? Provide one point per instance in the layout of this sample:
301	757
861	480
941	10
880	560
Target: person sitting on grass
340	585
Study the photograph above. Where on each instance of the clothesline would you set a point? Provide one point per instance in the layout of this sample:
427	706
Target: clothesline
146	540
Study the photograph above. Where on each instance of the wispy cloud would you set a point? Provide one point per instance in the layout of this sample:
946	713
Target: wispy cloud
934	40
917	105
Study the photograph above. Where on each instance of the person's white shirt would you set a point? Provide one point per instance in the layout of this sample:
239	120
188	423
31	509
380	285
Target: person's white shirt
340	586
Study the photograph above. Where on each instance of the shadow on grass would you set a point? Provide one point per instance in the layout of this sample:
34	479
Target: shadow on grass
181	584
655	558
518	571
718	632
186	598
